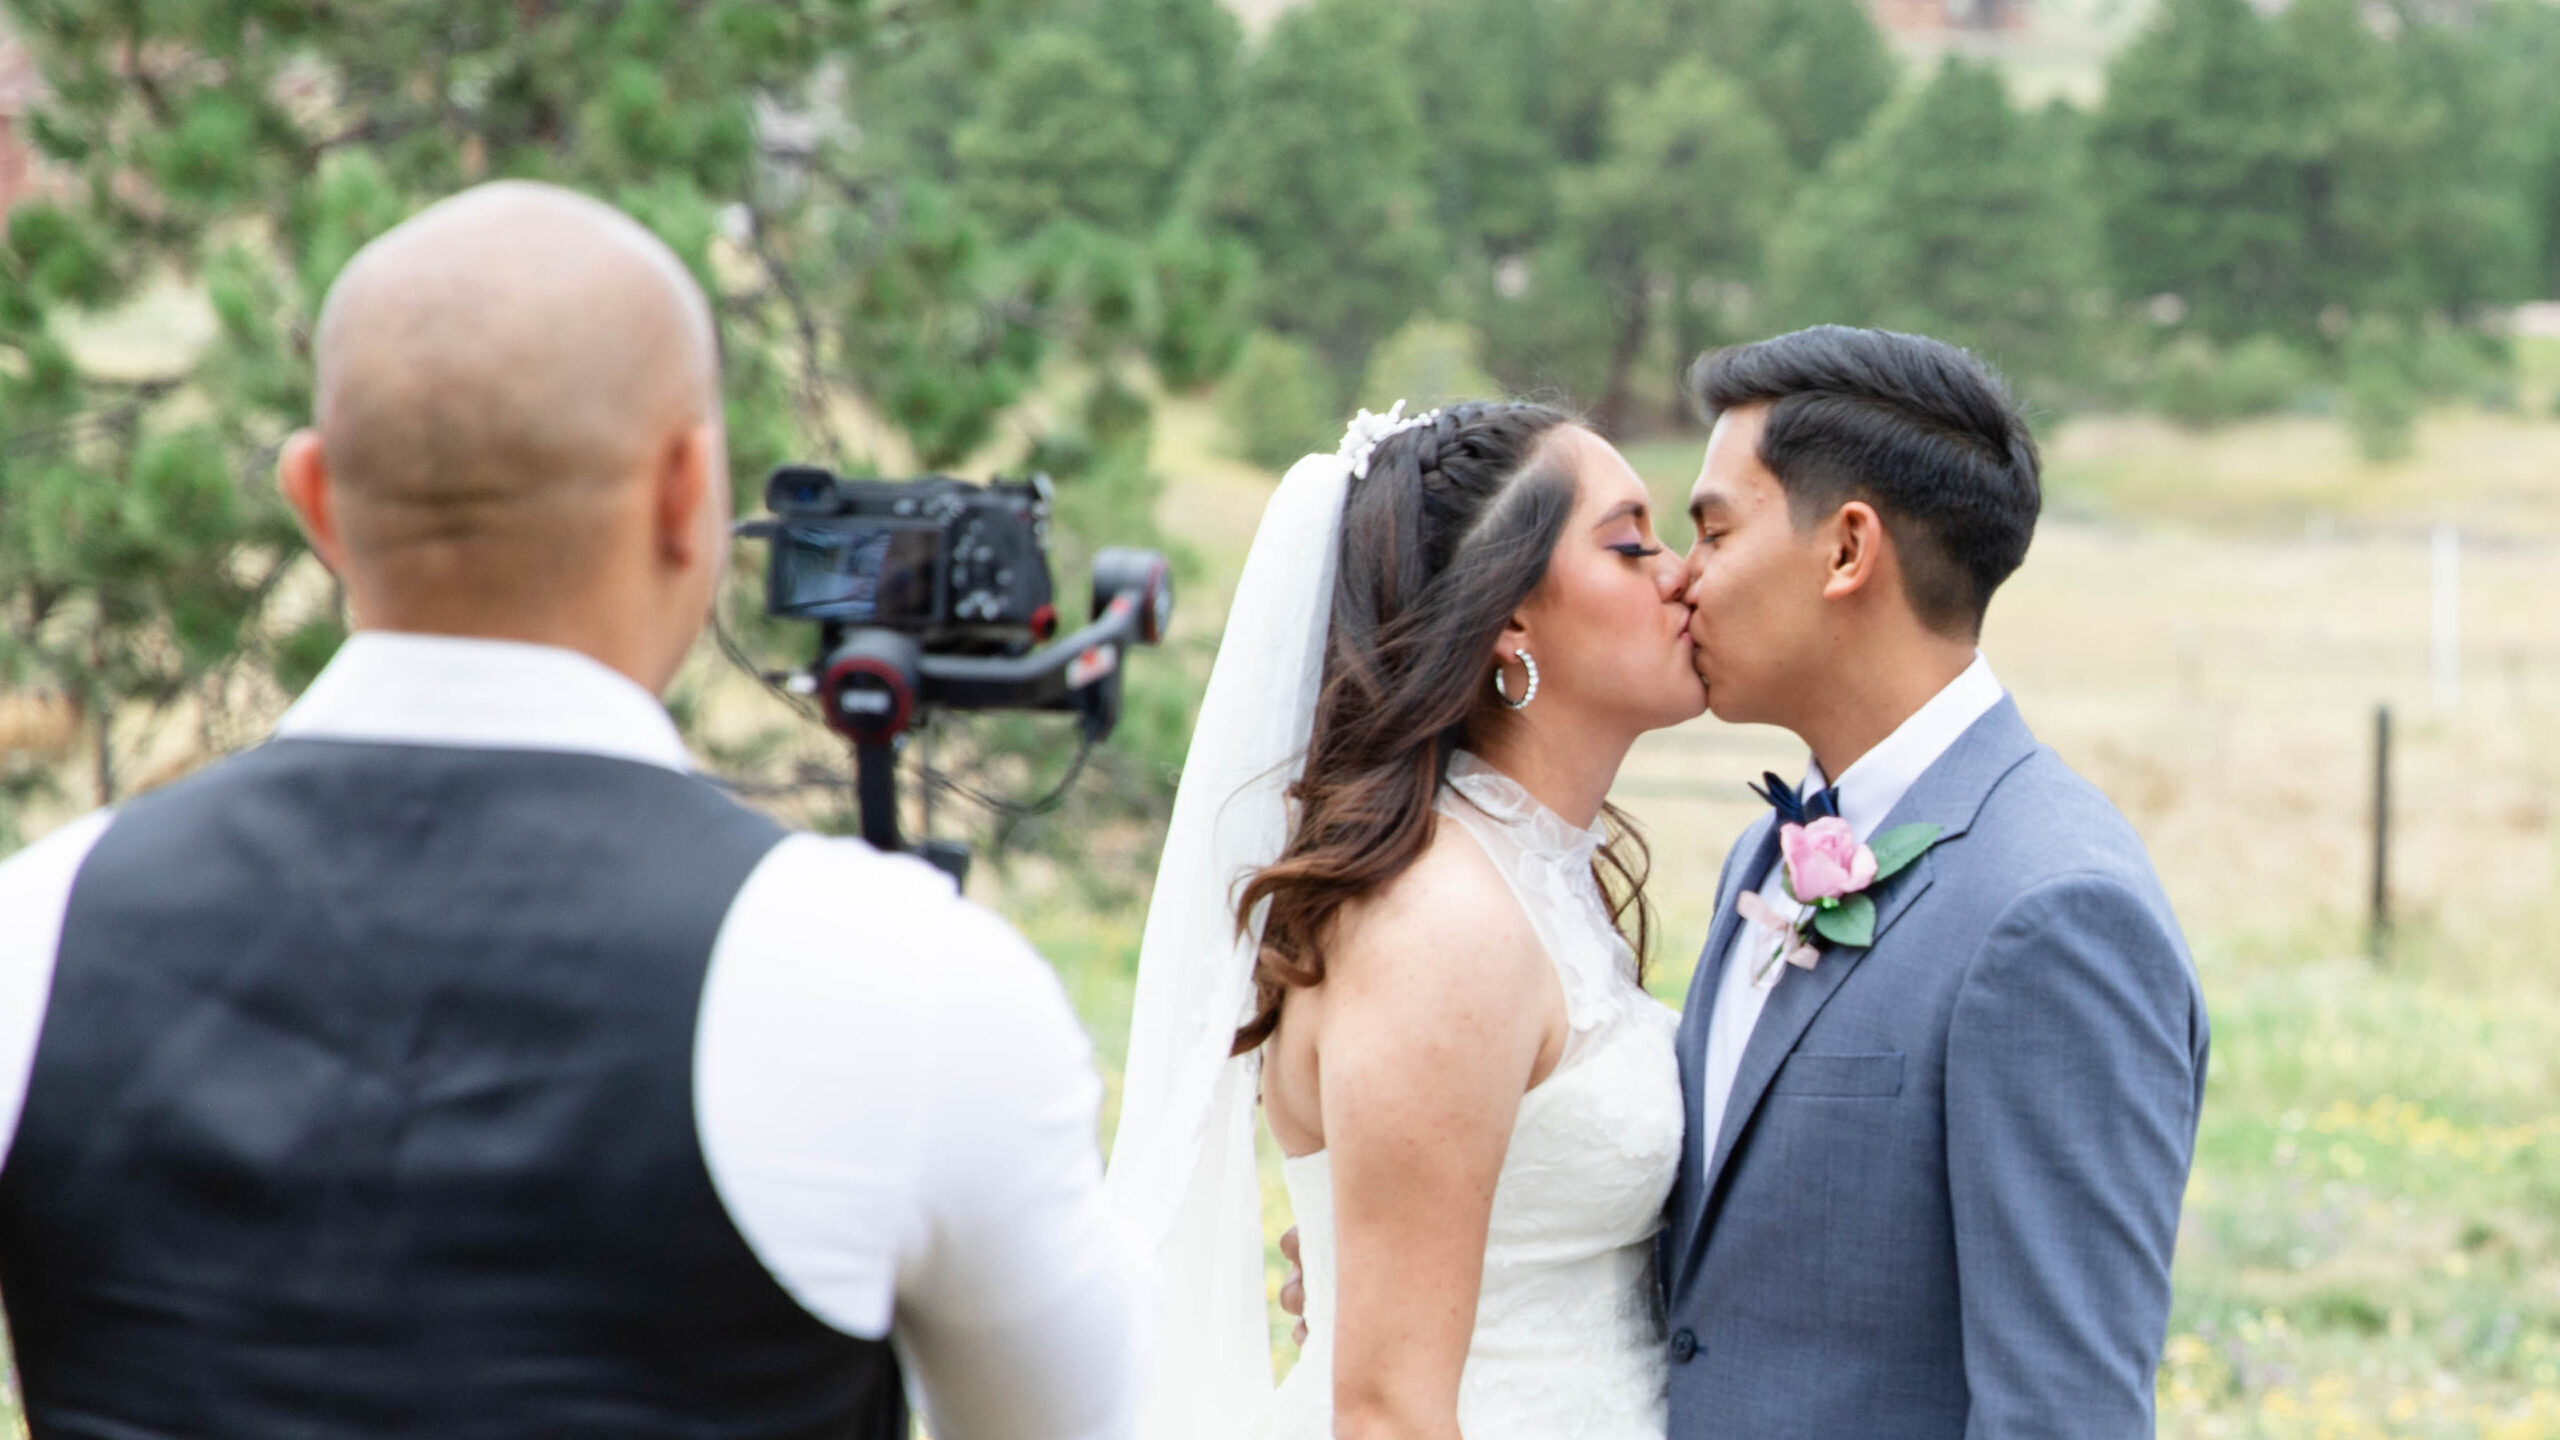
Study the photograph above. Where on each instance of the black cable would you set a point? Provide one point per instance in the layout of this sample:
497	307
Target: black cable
1049	800
737	656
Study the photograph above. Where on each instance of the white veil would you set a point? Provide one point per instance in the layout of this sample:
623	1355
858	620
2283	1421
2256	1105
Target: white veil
1182	1165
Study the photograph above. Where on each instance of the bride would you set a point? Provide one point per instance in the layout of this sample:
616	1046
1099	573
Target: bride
1381	913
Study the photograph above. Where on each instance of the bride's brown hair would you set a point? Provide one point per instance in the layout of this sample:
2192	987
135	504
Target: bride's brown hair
1444	539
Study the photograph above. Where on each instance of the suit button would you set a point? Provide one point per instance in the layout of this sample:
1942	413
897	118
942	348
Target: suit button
1684	1347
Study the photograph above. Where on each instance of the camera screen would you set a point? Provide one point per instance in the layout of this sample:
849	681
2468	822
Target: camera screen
876	574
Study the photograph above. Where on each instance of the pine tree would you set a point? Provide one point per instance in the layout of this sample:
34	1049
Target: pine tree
2192	157
1319	170
1816	69
1820	70
1955	216
2286	174
1485	76
1061	138
2504	139
1181	55
1679	206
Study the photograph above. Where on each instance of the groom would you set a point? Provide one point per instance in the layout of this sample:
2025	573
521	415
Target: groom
1932	1182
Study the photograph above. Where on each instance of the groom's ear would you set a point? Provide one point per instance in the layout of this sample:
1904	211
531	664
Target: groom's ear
1857	552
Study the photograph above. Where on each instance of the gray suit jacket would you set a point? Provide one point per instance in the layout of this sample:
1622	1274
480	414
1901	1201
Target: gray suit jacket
1946	1190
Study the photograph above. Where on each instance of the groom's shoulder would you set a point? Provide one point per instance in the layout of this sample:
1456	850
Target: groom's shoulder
2047	848
2044	819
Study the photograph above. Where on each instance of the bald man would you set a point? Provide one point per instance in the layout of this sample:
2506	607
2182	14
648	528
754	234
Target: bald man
457	1062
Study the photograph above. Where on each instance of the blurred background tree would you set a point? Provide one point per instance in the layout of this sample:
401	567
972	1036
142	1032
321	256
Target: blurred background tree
1954	215
965	234
906	219
1320	171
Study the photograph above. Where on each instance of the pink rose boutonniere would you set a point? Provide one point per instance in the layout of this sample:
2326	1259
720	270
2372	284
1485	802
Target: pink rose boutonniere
1829	875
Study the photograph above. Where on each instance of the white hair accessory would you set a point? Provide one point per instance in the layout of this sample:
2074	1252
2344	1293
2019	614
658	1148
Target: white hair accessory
1368	431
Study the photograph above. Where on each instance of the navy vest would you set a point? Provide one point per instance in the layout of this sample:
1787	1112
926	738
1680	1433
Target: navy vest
364	1107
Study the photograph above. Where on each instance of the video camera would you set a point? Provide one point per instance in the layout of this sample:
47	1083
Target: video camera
935	593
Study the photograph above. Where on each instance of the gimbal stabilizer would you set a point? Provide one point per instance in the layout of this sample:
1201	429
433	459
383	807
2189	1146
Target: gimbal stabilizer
874	684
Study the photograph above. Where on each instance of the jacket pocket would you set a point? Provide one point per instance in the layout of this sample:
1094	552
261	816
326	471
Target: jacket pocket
1840	1075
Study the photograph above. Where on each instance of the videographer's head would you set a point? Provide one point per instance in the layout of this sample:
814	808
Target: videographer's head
518	432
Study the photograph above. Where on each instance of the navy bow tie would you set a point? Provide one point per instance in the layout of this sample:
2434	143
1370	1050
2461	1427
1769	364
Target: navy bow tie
1794	809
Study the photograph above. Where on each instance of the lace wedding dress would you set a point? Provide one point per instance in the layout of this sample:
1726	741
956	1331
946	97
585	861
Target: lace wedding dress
1569	1334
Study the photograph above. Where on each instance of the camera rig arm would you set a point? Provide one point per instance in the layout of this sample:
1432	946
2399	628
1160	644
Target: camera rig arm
873	684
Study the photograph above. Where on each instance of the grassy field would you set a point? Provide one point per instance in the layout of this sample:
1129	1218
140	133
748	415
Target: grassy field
2372	1237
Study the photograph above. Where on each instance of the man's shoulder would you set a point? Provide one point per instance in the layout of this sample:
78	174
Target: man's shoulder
829	908
50	848
36	880
2049	848
2045	819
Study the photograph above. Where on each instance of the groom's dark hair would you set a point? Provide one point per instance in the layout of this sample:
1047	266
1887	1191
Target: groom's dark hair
1918	428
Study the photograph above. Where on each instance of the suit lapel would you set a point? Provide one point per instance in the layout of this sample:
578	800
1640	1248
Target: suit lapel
1799	996
1949	794
1757	851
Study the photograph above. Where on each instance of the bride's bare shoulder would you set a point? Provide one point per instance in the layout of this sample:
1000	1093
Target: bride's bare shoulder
1451	915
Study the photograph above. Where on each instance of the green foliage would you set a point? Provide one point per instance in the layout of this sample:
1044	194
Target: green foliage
1954	216
1612	168
2455	363
1278	402
1550	324
1819	70
1680	203
2193	156
1061	139
2200	386
2382	388
1204	290
1898	847
1492	119
1181	57
2520	43
1427	364
1651	235
1849	920
1320	170
2271	170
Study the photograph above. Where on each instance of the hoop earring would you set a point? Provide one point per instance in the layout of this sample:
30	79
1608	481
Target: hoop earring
1526	695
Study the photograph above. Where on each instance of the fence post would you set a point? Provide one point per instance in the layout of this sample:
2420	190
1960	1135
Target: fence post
2379	935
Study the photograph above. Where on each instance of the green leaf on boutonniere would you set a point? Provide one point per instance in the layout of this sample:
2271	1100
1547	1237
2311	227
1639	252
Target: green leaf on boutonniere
1898	847
1852	924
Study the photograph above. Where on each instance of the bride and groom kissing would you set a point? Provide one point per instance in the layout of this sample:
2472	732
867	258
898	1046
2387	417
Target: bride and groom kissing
1908	1162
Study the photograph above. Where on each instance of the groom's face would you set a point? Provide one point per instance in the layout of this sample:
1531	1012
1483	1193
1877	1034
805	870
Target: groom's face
1755	579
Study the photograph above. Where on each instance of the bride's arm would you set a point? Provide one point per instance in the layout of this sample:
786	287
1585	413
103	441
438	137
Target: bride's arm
1438	1001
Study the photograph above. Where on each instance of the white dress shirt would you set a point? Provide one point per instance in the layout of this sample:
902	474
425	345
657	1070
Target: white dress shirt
895	1101
1867	794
